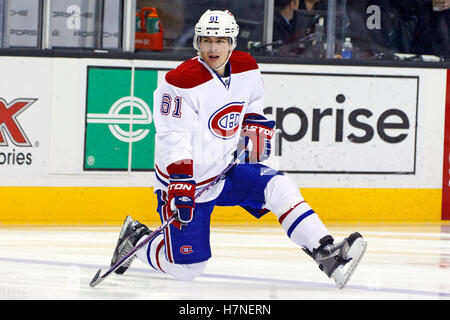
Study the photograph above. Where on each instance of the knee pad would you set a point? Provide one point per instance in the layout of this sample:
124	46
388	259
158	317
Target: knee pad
186	272
282	194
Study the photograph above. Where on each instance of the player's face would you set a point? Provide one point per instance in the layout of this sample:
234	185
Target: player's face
214	50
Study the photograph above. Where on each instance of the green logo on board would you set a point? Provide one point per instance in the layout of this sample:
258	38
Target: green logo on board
120	134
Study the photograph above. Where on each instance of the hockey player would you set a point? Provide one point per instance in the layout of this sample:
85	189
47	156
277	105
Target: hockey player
206	111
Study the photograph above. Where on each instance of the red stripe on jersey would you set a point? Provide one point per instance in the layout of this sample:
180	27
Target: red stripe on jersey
206	181
284	215
161	173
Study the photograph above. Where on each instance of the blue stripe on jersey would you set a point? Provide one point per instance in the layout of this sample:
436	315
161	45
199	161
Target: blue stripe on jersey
160	180
298	220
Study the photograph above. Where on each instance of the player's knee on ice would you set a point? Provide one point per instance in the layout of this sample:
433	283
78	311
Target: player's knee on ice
186	272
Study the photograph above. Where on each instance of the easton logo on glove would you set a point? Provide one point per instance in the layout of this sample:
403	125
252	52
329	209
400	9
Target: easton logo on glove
181	192
180	186
257	131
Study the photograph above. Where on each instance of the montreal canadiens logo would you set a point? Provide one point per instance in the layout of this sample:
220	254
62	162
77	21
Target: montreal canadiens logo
224	123
186	249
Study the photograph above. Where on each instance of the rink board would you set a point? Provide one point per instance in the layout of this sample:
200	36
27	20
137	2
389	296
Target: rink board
37	205
362	143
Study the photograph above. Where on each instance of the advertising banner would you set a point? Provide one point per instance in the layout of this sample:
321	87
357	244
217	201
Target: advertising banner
24	114
119	133
344	123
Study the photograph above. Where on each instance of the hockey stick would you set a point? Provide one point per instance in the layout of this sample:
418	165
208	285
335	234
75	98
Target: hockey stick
99	278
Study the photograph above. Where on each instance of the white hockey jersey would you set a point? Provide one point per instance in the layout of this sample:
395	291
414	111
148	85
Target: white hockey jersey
198	116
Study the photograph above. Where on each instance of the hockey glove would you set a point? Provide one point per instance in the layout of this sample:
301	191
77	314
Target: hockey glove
181	193
255	138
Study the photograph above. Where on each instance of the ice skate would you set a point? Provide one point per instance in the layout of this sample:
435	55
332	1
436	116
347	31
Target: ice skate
131	232
339	260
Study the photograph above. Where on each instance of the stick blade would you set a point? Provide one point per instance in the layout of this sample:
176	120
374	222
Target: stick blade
96	279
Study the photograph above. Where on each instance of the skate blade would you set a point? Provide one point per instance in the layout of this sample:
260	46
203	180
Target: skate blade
343	273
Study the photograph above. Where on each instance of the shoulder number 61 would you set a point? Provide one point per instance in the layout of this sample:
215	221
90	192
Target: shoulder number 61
166	105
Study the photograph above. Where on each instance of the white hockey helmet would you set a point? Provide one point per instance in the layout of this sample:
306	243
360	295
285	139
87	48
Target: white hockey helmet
216	23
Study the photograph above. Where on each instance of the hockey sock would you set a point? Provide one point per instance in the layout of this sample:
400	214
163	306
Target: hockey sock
303	226
153	253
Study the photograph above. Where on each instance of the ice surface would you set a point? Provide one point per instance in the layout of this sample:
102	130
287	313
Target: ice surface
402	261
